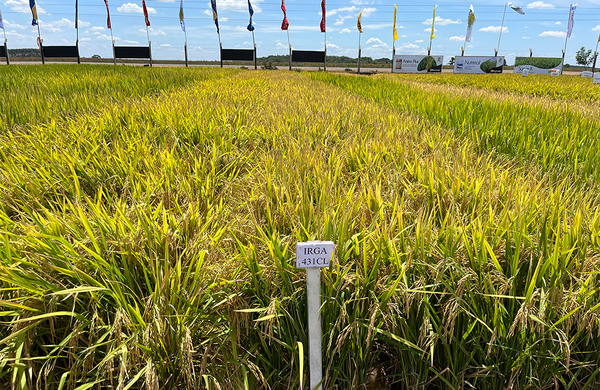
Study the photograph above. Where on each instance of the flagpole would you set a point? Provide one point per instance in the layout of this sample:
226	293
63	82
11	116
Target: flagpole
358	70
254	44
113	44
593	66
501	29
185	46
289	45
41	44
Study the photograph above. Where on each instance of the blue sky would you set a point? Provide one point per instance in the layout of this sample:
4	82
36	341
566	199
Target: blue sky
542	28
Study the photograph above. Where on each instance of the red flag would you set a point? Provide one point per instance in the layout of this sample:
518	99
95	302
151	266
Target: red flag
107	16
146	13
323	18
284	24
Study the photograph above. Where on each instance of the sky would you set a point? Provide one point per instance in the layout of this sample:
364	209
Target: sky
542	28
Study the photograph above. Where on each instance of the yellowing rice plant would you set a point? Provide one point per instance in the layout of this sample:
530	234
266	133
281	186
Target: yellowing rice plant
149	243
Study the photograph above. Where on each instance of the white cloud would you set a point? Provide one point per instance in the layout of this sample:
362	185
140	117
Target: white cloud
457	38
408	46
345	31
375	41
133	8
85	39
559	23
8	25
555	34
442	22
153	31
428	30
97	29
404	36
236	6
524	37
332	46
130	42
353	10
57	26
597	28
105	37
339	22
165	45
539	4
280	45
22	7
494	29
419	41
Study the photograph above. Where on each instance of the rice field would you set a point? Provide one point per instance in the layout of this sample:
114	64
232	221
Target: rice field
148	221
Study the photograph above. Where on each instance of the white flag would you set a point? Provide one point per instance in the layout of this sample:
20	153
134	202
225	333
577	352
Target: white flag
181	21
518	10
470	21
570	25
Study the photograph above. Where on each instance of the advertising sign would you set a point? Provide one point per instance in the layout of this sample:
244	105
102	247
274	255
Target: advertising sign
478	64
418	64
538	65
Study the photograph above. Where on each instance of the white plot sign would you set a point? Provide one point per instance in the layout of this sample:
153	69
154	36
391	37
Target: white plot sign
475	64
418	64
314	254
596	79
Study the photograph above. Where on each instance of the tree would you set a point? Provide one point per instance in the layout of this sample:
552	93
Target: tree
96	56
451	62
584	57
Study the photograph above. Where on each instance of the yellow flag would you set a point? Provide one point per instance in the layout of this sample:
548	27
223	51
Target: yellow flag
395	31
433	24
359	21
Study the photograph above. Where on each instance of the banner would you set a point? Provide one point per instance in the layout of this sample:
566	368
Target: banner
478	64
571	21
108	25
181	21
359	22
285	24
323	17
145	13
470	21
213	4
33	7
433	25
538	65
418	64
1	23
396	31
251	12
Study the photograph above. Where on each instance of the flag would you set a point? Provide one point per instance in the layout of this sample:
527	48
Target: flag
518	10
107	16
470	21
433	24
181	22
359	21
34	22
1	23
395	31
145	13
285	24
571	22
251	11
323	17
76	12
213	4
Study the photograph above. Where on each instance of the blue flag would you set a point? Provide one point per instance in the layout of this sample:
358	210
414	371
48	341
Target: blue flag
34	22
250	26
213	4
76	12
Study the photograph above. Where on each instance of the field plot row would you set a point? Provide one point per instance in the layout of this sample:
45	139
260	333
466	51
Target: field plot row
148	241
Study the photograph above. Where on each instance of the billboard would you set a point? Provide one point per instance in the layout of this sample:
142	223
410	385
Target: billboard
538	65
417	64
478	64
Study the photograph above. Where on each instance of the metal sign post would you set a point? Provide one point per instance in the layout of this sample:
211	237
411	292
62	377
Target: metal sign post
313	256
